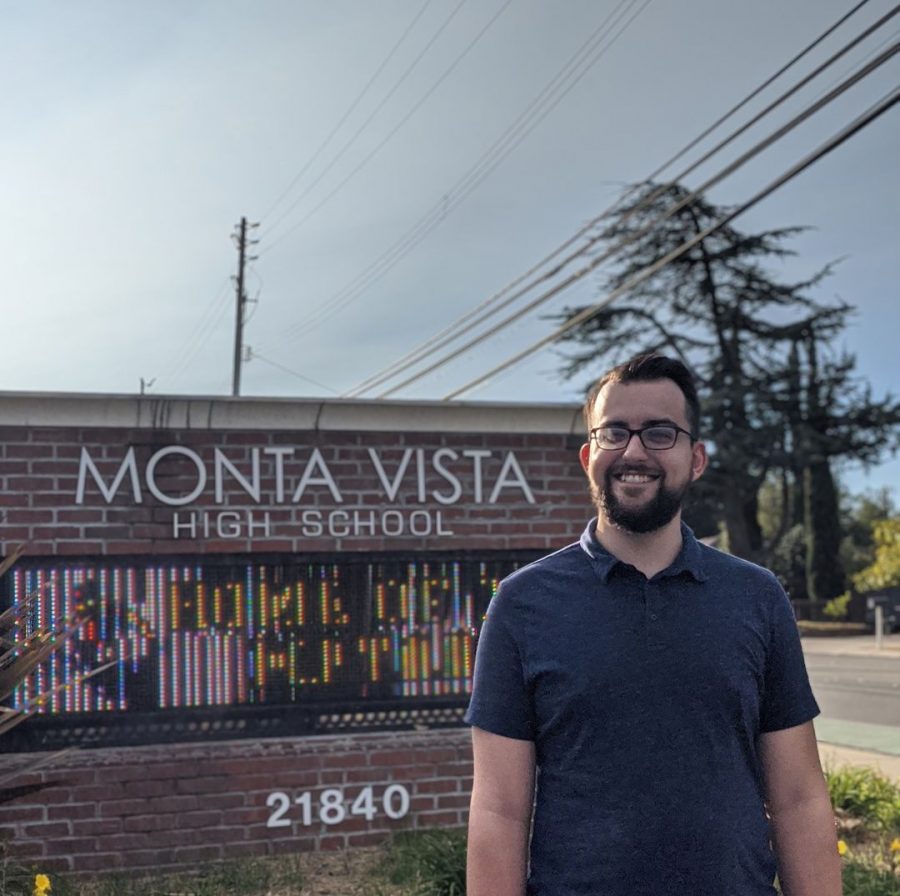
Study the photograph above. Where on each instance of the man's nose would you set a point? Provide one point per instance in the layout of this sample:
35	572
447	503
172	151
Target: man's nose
635	447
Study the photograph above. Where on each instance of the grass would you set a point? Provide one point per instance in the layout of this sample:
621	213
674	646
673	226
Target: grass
426	863
250	877
247	878
864	880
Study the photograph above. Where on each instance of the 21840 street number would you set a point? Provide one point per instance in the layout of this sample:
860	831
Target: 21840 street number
332	806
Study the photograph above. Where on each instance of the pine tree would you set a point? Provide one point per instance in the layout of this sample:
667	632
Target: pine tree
776	401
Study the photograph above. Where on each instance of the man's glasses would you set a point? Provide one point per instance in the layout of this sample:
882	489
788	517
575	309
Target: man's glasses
658	437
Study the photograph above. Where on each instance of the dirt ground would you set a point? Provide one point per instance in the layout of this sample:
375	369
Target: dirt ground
343	873
348	873
336	873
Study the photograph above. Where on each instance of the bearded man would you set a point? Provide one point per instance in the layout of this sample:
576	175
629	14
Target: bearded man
641	712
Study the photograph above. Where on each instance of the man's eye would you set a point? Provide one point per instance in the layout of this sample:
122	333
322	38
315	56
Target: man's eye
658	435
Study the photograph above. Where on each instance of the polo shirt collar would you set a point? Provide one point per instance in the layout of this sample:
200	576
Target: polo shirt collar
689	559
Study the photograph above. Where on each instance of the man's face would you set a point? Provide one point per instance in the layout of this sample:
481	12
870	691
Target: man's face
638	489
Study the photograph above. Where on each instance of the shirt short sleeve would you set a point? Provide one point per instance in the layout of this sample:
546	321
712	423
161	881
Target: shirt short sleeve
787	699
500	701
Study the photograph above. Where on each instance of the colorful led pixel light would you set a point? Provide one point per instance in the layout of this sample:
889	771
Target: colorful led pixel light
198	634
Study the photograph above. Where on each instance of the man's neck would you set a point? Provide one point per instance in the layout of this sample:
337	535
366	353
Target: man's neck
649	552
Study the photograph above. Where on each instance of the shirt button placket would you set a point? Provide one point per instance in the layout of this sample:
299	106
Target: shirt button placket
652	601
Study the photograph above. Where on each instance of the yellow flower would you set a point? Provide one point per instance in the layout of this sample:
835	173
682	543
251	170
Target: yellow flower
895	844
41	885
843	849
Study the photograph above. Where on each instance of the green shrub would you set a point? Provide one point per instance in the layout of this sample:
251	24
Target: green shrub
864	880
428	863
836	609
867	795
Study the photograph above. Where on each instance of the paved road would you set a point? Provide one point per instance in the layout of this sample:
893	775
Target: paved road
856	688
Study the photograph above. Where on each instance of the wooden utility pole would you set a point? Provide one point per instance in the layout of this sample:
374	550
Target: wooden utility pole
240	302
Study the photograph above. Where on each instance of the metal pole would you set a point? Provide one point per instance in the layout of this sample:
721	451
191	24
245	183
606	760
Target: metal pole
879	626
239	312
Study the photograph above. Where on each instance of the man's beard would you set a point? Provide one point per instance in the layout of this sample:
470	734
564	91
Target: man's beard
655	513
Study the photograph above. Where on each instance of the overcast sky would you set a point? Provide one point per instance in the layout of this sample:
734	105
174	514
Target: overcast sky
136	135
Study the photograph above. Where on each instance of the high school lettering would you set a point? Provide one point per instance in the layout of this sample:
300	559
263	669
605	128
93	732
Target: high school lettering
271	477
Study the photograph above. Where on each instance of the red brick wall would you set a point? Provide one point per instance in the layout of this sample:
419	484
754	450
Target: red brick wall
164	807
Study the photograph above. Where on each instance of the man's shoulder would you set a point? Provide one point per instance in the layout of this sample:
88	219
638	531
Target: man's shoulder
556	567
723	568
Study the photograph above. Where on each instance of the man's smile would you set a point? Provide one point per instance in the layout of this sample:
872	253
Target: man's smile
633	474
635	478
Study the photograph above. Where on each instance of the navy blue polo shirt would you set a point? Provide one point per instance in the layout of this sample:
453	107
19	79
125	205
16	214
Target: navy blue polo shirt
644	699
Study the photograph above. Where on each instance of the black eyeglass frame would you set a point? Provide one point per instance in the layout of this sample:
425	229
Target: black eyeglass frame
592	435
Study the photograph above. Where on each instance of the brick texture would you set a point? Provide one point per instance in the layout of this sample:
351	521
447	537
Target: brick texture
175	806
398	491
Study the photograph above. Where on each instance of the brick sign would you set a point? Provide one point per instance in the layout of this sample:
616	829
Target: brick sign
259	554
88	491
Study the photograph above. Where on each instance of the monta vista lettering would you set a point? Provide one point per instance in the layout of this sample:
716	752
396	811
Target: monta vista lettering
451	466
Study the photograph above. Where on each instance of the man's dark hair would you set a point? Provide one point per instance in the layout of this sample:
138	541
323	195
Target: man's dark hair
644	368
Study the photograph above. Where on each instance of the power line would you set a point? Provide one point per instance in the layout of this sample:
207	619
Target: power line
384	100
473	176
485	165
456	329
426	96
255	356
831	95
251	269
200	333
725	172
336	158
397	84
323	145
751	96
871	114
870	55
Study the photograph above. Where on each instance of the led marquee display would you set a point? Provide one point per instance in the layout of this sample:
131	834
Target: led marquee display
209	633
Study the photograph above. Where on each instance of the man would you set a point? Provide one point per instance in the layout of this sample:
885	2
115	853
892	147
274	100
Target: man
655	685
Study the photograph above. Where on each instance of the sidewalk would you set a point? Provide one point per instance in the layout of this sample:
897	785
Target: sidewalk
859	645
833	756
856	743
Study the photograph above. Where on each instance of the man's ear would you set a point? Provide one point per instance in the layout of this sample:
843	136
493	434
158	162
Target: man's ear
699	460
584	455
